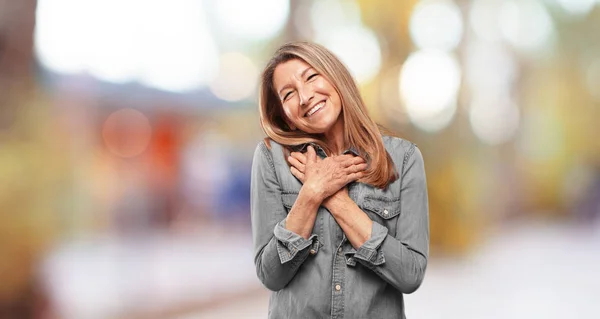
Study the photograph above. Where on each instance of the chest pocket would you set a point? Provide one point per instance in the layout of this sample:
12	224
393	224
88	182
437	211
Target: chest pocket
382	210
289	199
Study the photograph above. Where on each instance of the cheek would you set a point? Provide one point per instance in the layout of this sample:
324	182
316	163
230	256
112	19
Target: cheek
287	112
322	86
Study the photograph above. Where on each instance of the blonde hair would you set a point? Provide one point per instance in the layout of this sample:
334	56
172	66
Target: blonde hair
360	131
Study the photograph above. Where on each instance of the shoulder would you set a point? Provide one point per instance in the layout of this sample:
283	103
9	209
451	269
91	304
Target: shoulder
262	153
399	148
266	149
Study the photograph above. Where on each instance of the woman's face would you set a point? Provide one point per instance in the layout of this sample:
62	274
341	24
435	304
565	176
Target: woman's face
310	102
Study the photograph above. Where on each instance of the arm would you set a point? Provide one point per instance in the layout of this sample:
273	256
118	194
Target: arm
279	250
354	222
399	260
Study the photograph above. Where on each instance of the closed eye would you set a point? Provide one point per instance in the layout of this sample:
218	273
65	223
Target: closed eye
287	95
312	76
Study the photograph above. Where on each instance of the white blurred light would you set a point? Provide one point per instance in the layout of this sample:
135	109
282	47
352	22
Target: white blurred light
60	38
429	84
176	54
577	7
593	79
489	67
358	48
110	52
236	79
436	24
254	20
526	24
494	119
326	15
483	18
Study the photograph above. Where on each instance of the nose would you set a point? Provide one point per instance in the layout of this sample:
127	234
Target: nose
306	94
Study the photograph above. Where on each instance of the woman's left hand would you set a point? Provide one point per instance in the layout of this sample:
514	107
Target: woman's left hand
298	161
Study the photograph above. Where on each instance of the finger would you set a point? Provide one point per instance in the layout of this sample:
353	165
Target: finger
354	176
354	160
299	156
295	163
343	158
357	168
299	175
311	155
358	160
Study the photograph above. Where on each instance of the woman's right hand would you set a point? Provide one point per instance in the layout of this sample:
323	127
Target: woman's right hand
324	177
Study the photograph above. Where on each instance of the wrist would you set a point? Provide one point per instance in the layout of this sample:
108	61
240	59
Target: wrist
335	200
313	196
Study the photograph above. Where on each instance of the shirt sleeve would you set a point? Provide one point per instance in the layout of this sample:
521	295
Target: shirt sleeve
290	243
278	252
402	260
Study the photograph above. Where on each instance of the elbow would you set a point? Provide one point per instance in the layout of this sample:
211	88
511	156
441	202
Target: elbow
272	285
269	281
414	280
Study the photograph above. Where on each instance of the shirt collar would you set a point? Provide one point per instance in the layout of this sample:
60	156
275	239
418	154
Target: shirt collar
302	148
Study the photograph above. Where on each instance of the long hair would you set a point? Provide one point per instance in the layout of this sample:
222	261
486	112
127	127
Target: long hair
360	131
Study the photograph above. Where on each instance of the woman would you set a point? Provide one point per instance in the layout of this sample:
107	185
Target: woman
339	211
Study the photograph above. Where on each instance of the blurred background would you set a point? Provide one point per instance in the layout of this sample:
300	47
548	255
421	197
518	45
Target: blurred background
127	130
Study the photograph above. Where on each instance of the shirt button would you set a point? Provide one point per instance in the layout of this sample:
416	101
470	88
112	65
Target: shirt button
312	251
385	212
338	287
340	249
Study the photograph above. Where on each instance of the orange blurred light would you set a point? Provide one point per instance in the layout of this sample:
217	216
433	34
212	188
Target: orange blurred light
126	132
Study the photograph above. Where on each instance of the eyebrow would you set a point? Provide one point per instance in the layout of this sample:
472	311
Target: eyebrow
301	75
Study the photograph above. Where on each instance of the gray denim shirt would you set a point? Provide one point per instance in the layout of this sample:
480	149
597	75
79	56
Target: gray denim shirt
324	276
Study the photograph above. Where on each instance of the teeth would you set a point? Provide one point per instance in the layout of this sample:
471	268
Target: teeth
316	108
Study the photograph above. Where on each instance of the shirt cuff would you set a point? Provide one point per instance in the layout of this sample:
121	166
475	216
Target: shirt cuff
290	243
369	253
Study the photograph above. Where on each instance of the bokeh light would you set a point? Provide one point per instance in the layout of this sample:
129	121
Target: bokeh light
429	83
357	47
180	53
237	77
176	55
494	119
526	24
126	132
489	67
593	79
436	24
252	20
483	19
328	14
577	7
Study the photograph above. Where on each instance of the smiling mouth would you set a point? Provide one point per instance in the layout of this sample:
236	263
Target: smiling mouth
315	108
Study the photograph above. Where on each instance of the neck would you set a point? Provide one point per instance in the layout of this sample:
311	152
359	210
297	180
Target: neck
335	138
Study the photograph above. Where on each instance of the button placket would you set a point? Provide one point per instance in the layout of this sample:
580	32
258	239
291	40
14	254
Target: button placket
339	268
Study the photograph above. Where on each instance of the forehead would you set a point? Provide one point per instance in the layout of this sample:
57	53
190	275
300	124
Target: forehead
288	71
